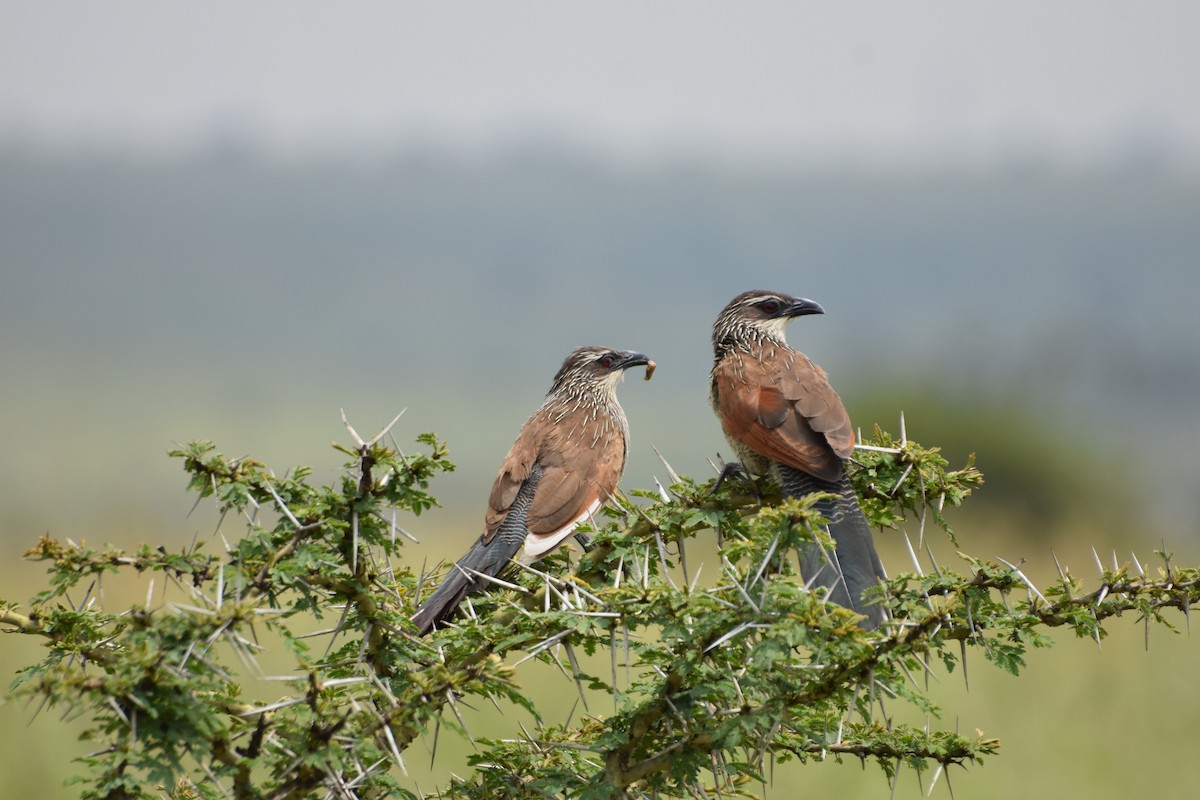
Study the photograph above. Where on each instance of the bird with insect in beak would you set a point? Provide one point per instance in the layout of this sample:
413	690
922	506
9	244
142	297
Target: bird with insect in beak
564	465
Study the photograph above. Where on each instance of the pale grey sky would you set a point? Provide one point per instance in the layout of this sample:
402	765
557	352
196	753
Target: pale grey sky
852	81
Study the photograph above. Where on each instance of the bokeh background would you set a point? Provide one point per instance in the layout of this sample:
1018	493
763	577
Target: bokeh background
230	220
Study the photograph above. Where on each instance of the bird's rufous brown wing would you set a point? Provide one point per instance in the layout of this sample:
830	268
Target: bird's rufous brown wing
785	409
579	474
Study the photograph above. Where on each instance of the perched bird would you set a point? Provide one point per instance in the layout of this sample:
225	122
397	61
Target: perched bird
783	418
564	465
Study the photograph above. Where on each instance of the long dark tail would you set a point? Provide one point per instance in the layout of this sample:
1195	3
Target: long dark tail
854	566
489	558
459	583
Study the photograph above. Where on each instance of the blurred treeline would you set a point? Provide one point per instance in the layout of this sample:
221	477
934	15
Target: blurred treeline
1016	312
1044	318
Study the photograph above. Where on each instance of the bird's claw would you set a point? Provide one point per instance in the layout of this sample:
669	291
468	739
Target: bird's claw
732	469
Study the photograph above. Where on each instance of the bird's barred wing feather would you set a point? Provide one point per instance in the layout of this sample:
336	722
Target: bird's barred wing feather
513	473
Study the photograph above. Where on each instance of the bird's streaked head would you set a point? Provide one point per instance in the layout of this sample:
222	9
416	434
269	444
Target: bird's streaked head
596	368
758	316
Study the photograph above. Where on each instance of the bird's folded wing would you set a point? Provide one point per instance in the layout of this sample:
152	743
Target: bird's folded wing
581	473
789	415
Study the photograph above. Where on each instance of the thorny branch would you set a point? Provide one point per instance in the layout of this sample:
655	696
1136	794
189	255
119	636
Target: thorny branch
717	675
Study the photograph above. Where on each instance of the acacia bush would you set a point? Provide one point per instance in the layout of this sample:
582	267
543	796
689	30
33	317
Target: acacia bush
715	671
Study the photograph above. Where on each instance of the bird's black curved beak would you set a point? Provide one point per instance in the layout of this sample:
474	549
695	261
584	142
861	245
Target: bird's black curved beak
802	308
629	358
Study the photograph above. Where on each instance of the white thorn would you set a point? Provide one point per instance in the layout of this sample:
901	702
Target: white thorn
491	579
674	476
220	584
872	448
357	439
936	774
912	553
1026	581
1061	573
386	428
282	506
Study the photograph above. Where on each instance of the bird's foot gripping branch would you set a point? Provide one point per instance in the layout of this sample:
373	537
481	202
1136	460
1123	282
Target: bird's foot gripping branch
283	663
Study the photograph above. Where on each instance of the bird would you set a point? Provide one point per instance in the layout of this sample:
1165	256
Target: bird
564	465
783	418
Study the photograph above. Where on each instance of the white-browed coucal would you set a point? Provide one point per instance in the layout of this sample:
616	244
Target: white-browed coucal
783	418
565	464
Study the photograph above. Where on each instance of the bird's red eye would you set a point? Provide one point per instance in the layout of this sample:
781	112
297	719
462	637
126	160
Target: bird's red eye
606	361
770	306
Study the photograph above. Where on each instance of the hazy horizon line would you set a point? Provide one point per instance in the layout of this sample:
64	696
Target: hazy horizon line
563	150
